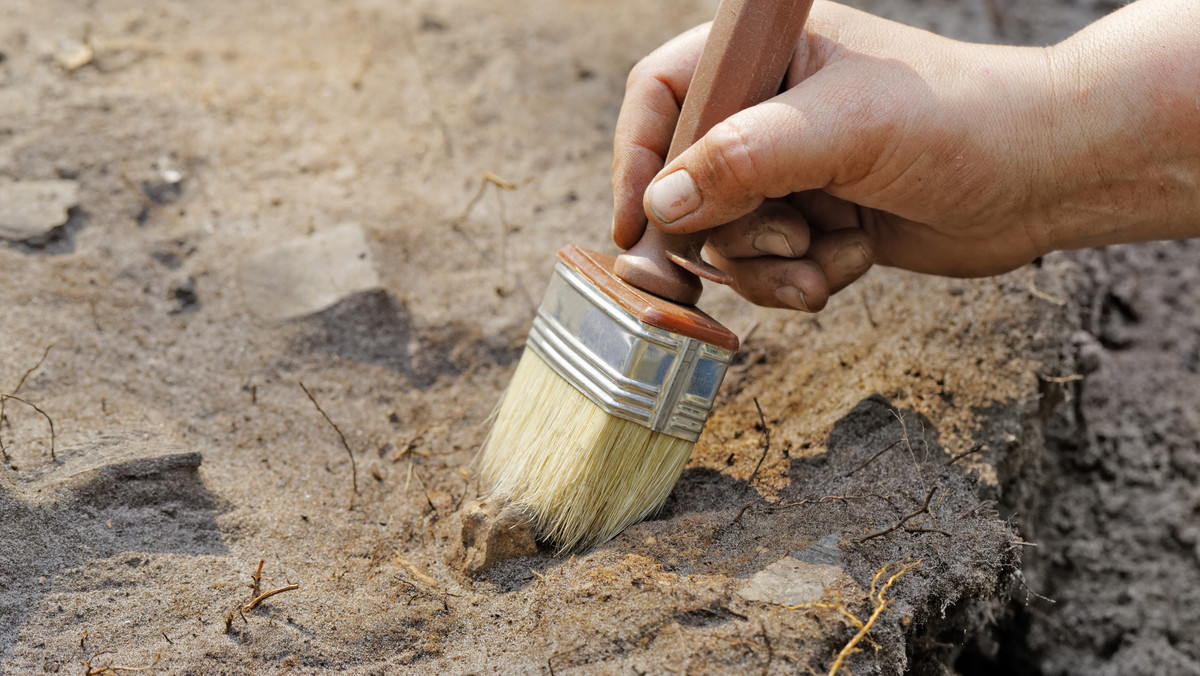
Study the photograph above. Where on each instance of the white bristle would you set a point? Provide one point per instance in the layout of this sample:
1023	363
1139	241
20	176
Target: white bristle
583	474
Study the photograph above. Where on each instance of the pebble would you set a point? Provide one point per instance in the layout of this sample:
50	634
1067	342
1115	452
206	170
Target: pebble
493	532
73	55
29	210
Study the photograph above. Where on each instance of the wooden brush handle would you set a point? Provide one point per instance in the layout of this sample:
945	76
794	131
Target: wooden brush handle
743	64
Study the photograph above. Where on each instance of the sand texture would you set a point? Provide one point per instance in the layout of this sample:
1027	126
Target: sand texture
255	215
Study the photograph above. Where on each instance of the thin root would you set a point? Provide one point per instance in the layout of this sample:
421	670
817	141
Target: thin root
904	519
353	462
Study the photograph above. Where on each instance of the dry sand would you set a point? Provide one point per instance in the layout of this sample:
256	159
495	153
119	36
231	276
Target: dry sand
266	194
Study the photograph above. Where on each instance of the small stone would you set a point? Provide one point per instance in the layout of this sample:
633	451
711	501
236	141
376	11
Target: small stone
182	292
29	210
73	55
493	532
792	582
308	274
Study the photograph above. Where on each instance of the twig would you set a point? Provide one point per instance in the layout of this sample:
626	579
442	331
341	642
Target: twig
873	458
353	463
33	368
1038	293
364	64
49	420
498	182
456	225
970	451
412	442
15	390
266	595
257	595
737	517
904	519
766	443
256	587
427	84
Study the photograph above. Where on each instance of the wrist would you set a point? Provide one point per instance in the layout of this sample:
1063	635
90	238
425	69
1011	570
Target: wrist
1123	132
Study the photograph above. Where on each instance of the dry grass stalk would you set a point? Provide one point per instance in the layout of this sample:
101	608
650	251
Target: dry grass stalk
257	597
353	462
12	395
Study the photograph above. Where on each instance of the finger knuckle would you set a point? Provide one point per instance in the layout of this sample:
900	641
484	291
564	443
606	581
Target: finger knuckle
642	71
732	157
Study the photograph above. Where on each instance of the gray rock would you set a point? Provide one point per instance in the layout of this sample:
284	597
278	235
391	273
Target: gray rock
308	274
31	209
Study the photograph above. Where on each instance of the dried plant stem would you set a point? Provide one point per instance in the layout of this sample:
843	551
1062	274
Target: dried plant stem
353	462
766	443
12	395
904	519
266	595
49	420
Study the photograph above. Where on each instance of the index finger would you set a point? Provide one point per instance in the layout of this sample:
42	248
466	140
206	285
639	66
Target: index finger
654	95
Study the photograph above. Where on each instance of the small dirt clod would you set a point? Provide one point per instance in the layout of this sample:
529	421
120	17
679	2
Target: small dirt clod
493	532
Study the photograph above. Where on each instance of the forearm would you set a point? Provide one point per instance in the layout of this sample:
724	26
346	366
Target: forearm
1125	128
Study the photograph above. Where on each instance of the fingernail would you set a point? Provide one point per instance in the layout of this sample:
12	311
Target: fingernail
791	297
774	244
673	196
852	259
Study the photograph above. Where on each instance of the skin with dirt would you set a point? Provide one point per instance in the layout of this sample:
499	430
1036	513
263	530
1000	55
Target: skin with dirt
438	162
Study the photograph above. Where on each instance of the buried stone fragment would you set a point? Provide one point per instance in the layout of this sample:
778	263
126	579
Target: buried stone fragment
29	210
308	274
493	532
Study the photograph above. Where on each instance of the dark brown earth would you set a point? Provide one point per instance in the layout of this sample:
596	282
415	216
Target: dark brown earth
277	193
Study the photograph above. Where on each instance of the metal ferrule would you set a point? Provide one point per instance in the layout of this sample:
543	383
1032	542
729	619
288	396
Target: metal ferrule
656	378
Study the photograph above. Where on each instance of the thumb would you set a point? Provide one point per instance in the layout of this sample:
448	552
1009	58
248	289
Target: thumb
787	144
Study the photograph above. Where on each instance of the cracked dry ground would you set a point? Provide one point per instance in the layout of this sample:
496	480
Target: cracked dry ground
224	155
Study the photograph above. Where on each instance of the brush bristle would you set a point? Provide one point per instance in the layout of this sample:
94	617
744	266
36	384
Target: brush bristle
583	475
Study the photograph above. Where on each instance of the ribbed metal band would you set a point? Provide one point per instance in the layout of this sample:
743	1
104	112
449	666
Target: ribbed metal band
656	378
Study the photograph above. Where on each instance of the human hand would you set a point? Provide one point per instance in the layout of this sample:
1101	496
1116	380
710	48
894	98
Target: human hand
895	146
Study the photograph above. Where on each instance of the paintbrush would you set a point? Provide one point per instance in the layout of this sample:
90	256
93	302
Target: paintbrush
620	369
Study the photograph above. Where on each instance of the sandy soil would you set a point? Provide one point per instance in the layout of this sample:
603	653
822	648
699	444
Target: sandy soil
202	136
